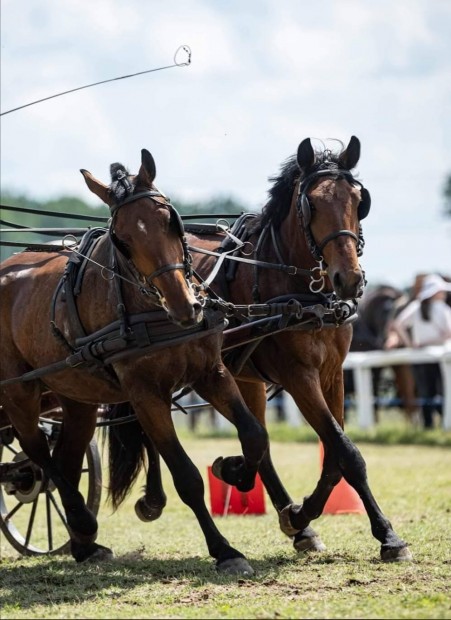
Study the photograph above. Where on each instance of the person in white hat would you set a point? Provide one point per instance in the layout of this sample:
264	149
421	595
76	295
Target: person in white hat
426	321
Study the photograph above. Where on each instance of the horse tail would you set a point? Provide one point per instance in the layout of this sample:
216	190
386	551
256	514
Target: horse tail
125	452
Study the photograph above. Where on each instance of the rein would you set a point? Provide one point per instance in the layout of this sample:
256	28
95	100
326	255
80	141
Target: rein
135	335
290	269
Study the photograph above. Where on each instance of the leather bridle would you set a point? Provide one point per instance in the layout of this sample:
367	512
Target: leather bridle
304	209
186	265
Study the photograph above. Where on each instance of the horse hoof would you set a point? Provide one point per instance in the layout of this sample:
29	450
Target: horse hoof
216	467
101	554
309	544
396	554
285	522
90	553
235	566
232	470
146	513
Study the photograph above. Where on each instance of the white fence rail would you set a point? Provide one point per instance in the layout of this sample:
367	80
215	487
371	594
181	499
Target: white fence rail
362	363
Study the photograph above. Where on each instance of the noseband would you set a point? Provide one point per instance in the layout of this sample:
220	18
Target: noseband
305	208
186	265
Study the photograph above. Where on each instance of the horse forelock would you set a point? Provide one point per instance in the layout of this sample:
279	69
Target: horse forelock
121	186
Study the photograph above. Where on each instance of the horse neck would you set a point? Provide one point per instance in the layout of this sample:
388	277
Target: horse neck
293	242
285	245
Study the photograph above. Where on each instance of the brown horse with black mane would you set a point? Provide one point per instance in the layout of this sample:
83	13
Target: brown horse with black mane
117	319
298	261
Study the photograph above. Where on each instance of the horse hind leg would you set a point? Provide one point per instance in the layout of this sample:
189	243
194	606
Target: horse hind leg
127	443
151	505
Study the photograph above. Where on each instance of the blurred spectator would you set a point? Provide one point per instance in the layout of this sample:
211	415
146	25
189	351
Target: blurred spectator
425	321
392	337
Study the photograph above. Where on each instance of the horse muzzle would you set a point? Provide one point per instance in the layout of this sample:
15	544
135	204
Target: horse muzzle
348	284
192	315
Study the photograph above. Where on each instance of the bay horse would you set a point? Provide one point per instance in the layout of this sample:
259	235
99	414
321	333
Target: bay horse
305	246
117	319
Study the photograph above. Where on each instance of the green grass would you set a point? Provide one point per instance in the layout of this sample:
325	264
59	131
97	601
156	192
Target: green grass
392	429
162	569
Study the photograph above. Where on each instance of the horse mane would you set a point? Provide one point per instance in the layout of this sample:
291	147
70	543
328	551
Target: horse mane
120	186
281	192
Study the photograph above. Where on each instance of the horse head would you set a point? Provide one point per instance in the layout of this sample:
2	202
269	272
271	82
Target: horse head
148	237
330	204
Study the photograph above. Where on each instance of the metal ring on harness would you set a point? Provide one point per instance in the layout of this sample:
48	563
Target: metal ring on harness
221	226
107	269
66	240
251	251
320	281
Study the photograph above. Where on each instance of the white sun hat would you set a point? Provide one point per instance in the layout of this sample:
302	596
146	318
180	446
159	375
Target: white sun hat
431	285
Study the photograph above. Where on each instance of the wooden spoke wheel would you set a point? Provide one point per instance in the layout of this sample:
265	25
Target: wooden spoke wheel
32	518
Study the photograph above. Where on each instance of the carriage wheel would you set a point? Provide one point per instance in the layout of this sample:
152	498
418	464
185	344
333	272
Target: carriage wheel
31	514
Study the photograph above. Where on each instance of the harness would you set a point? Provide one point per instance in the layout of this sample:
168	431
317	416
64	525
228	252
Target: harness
132	335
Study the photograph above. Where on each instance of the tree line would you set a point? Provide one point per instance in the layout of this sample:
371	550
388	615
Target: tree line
70	205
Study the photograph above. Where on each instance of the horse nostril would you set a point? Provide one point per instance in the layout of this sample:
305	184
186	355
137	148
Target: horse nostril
197	308
337	281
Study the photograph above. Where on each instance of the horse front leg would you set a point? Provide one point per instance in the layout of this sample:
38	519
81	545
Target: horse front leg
342	458
76	433
23	407
254	395
220	389
154	415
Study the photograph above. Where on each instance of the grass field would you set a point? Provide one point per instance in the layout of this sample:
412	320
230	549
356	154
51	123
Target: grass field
162	569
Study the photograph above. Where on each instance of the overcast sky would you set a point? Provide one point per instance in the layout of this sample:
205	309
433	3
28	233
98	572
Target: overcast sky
265	74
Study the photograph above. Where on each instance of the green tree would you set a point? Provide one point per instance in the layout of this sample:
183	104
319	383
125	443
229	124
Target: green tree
66	205
69	206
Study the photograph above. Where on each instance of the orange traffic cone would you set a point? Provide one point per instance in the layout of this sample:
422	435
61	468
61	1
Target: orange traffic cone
225	499
344	498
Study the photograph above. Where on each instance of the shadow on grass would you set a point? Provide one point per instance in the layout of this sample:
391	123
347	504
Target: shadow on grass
27	583
42	581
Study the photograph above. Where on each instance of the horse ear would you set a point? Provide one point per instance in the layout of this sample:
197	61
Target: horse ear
351	155
306	155
148	170
97	187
